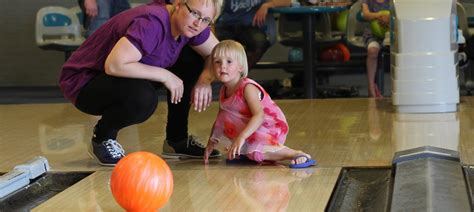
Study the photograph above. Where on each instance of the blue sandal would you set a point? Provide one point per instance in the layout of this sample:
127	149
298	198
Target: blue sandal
309	162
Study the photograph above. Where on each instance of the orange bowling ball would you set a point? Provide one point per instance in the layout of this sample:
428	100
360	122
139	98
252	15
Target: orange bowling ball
141	181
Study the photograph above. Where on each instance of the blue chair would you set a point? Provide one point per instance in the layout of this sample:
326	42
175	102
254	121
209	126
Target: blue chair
57	28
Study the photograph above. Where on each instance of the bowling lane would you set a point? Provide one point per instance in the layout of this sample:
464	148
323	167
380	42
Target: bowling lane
336	132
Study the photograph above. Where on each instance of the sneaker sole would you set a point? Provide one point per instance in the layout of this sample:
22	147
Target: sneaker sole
184	156
92	155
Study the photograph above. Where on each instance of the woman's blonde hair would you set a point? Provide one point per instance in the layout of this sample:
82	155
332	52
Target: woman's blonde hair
216	3
233	49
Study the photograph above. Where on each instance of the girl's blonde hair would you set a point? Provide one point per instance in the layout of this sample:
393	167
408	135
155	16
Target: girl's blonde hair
233	49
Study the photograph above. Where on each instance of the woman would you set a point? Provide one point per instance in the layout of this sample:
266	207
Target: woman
116	71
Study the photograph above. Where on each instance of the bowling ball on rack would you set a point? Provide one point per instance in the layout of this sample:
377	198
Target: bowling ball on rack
141	181
331	54
295	55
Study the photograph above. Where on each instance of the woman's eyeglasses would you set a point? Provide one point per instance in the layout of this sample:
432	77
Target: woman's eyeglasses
195	14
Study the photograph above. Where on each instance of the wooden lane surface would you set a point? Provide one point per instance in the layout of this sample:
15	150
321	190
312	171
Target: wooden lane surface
336	132
247	189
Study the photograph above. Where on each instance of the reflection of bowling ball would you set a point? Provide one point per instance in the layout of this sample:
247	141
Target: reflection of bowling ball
377	29
141	181
342	20
331	54
295	55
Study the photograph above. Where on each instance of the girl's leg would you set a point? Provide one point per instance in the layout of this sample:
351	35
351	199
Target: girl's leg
286	154
372	57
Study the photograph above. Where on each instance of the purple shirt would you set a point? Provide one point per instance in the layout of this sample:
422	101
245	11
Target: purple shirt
147	27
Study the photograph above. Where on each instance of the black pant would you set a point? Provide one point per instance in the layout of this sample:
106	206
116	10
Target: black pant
188	67
123	101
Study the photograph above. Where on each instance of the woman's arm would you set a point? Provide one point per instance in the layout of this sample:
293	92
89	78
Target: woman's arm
123	62
201	96
252	97
261	14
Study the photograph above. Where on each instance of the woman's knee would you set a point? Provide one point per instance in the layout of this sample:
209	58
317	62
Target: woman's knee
140	98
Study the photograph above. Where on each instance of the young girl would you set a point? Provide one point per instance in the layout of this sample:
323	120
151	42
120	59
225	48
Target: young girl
371	10
248	123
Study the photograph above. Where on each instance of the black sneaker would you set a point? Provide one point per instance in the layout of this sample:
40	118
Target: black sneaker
186	148
108	152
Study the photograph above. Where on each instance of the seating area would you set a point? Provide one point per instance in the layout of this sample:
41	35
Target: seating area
59	29
290	34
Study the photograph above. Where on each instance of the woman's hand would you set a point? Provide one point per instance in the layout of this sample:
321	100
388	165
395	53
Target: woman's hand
91	8
383	18
175	85
201	96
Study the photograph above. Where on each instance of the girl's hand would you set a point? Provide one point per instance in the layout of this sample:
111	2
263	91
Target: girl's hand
260	15
91	7
207	152
201	96
234	150
175	85
383	19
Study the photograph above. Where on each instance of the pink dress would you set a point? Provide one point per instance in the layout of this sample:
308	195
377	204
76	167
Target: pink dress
234	114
